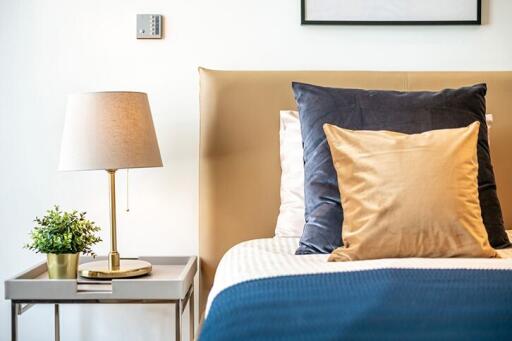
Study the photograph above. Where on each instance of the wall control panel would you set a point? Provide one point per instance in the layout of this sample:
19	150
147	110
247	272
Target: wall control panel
149	26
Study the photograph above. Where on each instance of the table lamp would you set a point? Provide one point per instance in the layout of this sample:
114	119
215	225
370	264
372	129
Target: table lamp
110	131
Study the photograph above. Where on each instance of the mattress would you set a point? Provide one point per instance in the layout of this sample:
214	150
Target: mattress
273	257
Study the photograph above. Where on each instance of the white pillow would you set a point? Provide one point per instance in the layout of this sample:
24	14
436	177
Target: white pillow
290	222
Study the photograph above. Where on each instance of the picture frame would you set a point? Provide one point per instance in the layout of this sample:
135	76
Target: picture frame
391	12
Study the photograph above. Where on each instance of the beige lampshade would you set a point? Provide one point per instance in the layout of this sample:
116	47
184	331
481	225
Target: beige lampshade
109	130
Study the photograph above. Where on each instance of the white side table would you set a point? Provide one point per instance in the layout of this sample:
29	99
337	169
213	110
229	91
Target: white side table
170	282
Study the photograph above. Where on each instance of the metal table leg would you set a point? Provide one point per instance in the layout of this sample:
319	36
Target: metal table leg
178	320
14	321
191	314
57	323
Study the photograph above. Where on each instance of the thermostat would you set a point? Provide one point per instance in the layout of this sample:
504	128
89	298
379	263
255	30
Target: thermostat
149	26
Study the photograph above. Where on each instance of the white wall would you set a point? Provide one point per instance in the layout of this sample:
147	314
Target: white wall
51	48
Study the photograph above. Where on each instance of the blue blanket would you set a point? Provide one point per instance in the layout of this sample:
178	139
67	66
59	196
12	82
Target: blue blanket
386	304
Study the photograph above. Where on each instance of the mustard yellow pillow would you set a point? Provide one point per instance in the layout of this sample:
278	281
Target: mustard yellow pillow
408	195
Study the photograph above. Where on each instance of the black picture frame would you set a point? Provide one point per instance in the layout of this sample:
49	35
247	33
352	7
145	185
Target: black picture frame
478	20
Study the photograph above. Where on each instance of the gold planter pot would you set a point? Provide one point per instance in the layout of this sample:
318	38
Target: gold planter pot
62	266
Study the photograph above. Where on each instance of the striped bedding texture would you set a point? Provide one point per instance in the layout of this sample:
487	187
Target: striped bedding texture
260	273
382	304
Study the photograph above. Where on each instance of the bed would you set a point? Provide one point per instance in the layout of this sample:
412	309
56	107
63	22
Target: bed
260	281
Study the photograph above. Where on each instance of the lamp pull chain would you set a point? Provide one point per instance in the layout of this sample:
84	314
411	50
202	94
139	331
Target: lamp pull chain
127	193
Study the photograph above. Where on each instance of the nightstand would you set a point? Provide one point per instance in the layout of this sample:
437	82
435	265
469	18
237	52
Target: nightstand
171	281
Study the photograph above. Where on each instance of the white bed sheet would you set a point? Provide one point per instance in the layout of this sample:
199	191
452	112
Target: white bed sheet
269	257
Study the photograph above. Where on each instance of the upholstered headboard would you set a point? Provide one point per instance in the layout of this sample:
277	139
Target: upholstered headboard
239	148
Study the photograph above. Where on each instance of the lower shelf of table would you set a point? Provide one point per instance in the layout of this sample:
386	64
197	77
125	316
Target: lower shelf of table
18	307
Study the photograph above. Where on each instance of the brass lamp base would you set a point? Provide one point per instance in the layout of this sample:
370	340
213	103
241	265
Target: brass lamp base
127	269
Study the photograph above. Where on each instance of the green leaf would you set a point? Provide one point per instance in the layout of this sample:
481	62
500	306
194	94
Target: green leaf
63	232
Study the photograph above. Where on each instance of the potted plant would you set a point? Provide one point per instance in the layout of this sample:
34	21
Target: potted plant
63	236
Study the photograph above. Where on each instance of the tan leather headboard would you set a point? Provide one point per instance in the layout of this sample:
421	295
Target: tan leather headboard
239	147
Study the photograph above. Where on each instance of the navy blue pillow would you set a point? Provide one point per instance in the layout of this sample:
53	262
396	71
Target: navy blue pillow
405	112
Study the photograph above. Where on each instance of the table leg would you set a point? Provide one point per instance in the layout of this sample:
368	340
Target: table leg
191	314
57	323
178	320
14	321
